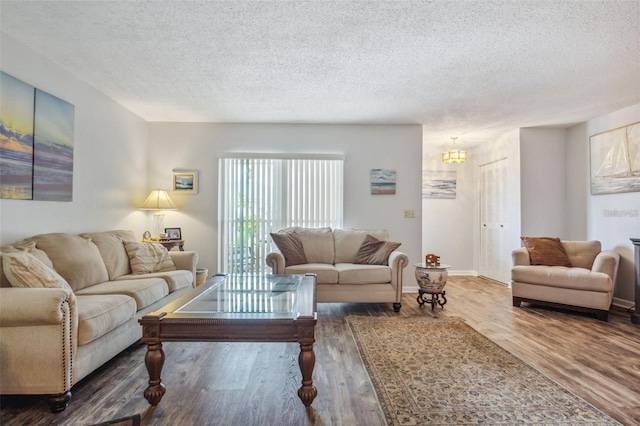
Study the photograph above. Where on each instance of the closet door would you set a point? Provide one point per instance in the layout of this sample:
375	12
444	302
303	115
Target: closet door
495	255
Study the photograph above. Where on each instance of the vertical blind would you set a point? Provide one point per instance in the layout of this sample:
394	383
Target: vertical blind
260	194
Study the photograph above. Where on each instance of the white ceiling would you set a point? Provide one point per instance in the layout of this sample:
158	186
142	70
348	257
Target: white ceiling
471	69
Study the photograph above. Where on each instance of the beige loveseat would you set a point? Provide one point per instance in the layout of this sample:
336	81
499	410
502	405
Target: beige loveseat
585	283
50	338
330	254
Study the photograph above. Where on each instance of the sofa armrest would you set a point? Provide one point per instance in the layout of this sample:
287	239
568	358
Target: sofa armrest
275	261
187	260
520	257
38	340
607	261
397	262
33	306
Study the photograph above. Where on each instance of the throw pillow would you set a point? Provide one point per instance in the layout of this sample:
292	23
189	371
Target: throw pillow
25	270
546	251
291	248
146	258
374	251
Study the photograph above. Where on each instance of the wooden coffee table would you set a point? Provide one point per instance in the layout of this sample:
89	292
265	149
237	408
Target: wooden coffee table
236	308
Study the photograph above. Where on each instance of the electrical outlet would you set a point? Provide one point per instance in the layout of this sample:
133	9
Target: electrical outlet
409	214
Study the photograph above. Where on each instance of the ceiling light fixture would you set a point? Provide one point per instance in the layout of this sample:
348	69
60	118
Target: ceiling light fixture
454	155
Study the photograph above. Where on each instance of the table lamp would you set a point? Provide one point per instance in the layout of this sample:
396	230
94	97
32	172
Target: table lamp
159	201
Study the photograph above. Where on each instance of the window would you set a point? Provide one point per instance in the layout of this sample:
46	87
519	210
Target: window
260	194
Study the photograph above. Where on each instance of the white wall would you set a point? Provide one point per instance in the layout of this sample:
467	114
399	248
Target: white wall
577	176
542	182
612	230
198	146
110	158
448	224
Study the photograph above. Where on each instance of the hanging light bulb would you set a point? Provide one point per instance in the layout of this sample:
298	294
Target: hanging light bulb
454	155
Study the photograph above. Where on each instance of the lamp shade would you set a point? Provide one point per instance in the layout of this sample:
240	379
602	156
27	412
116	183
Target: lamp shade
159	200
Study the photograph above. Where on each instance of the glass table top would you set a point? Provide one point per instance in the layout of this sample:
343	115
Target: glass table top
430	266
273	296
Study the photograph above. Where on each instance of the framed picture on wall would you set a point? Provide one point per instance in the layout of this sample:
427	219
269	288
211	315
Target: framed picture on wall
185	181
615	160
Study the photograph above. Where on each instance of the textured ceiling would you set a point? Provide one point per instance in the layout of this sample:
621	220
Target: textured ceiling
471	69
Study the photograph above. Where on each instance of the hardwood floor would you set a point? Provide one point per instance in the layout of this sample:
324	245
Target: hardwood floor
256	384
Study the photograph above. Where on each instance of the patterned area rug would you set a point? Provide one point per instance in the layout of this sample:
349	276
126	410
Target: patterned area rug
443	372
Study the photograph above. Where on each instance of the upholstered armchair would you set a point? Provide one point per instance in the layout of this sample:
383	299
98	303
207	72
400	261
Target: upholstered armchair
576	275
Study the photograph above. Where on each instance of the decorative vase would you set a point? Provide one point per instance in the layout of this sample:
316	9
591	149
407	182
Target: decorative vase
431	280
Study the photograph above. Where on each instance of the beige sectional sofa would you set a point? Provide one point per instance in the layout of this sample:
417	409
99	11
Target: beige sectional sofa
50	338
584	280
330	254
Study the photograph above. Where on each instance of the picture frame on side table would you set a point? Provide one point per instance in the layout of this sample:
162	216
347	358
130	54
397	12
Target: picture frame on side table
173	233
185	181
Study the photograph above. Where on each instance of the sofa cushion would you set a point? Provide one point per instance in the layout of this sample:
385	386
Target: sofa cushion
546	251
78	260
582	253
112	250
146	258
317	244
374	251
144	291
27	246
175	279
349	273
25	270
325	273
562	277
347	242
99	314
290	246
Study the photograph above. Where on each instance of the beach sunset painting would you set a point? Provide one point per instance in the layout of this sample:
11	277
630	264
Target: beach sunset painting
53	152
16	138
383	181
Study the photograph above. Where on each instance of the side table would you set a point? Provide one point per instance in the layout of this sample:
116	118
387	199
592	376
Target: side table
431	280
169	244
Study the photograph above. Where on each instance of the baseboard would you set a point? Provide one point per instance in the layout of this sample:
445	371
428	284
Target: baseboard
465	273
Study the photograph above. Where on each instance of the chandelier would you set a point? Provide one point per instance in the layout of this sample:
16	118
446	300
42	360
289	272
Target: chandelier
454	155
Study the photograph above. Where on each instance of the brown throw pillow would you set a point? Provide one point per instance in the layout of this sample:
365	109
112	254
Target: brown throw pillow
546	251
374	251
147	258
291	248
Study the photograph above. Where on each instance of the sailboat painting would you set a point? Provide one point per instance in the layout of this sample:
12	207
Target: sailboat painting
615	160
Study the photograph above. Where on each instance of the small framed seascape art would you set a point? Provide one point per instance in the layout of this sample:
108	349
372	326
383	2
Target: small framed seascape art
383	181
185	181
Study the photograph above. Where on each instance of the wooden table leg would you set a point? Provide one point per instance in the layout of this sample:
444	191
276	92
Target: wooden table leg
154	360
307	360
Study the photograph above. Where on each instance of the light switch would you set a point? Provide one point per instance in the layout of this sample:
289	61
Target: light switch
409	213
